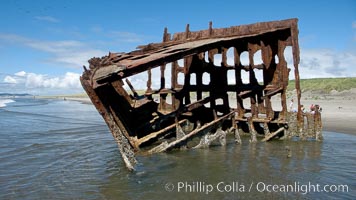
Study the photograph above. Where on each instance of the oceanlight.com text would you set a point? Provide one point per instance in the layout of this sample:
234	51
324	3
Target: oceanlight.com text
239	187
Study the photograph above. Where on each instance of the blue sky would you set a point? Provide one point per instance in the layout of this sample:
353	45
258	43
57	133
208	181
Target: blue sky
44	44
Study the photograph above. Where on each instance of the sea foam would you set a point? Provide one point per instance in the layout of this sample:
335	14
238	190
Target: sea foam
3	102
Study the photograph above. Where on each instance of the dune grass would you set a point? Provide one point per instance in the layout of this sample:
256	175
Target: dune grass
325	84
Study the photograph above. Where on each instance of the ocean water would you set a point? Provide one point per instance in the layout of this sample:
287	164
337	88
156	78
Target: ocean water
55	149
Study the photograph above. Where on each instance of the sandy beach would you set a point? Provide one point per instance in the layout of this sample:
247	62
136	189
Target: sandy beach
337	115
338	108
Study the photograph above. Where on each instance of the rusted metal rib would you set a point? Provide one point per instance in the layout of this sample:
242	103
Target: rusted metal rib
194	132
158	133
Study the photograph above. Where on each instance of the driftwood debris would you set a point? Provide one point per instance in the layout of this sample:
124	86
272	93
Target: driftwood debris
199	88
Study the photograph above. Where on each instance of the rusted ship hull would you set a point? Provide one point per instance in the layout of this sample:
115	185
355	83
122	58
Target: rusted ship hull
198	100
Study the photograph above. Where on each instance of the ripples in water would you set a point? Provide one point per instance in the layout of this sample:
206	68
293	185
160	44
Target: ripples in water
63	150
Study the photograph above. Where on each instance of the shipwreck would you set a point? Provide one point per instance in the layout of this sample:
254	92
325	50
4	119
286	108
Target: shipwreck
202	91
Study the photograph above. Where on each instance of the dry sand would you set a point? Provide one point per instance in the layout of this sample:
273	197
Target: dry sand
338	108
85	100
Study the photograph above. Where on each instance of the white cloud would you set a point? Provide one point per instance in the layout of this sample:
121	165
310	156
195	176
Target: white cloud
71	53
322	63
69	81
56	46
77	58
9	79
47	19
40	83
21	73
34	80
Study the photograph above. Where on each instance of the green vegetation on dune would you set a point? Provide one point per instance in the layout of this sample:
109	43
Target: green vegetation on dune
324	84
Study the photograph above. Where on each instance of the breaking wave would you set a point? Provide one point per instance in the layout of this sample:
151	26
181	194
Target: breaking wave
3	102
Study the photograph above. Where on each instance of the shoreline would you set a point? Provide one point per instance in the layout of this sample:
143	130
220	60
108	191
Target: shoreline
85	100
